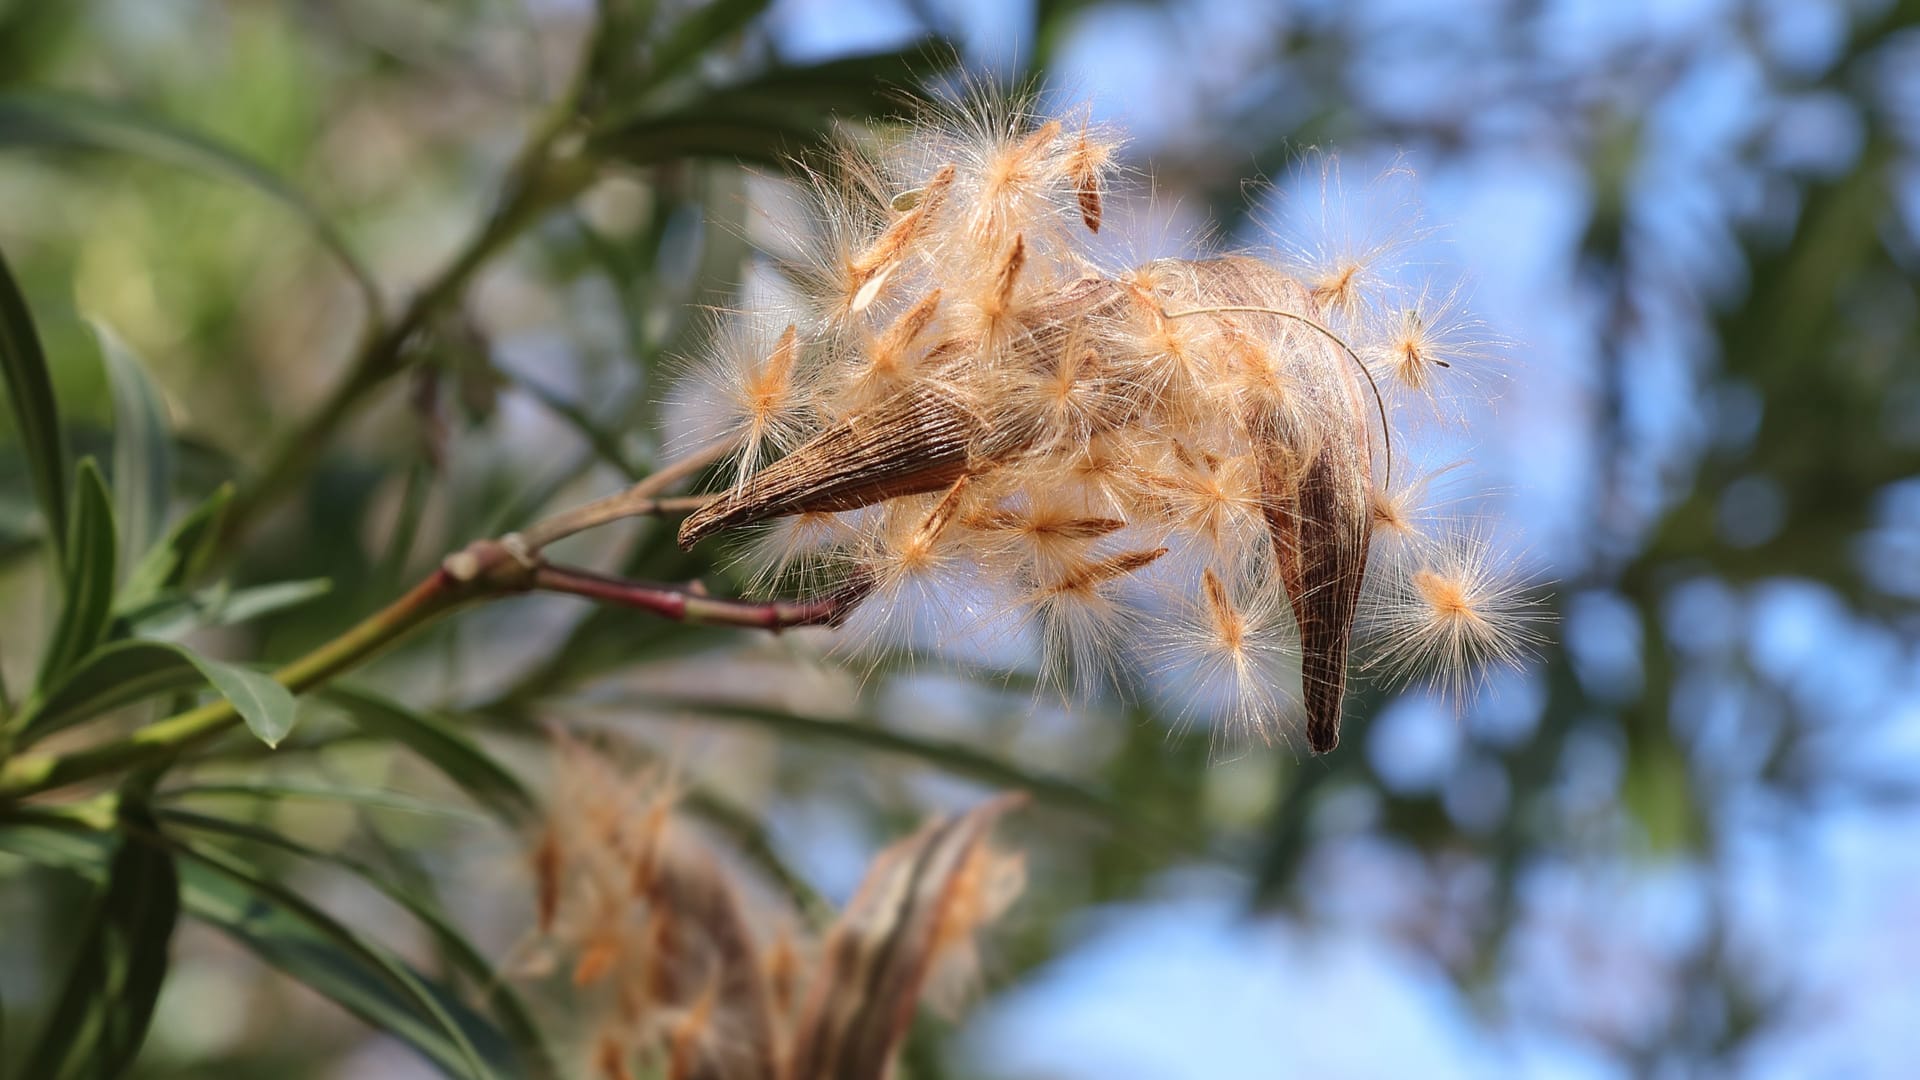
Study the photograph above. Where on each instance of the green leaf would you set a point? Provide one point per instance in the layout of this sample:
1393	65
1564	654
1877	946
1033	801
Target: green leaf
92	552
56	844
302	941
770	118
109	677
101	1018
391	572
245	605
172	615
62	120
142	444
369	798
35	413
175	560
128	671
465	956
266	707
443	745
305	942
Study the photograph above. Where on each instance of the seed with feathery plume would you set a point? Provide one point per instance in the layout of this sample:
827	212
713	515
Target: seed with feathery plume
1086	164
1227	655
1000	299
1452	612
871	268
696	983
993	409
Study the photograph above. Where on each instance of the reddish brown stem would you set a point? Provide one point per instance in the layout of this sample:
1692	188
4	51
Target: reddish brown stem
691	605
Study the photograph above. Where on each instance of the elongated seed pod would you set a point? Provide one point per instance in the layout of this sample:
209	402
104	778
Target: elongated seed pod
916	441
919	440
1314	485
1313	453
876	962
710	962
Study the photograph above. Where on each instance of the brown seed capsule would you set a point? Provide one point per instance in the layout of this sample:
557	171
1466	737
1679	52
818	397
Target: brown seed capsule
705	960
918	440
1315	488
1313	450
877	960
915	441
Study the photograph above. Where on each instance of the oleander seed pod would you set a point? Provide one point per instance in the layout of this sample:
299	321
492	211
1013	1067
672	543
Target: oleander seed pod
1186	456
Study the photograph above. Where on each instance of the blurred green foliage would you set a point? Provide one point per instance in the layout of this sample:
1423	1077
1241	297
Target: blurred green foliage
394	277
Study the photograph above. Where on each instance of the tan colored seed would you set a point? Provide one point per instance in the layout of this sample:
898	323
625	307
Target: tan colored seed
899	236
1084	578
1006	278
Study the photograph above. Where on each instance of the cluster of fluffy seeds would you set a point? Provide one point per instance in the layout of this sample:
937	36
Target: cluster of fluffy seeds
1189	464
690	983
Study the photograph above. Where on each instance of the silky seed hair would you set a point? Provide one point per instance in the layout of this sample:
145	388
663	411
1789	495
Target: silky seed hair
673	967
969	409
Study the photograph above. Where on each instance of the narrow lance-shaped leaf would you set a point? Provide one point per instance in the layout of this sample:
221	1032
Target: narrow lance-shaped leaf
245	605
36	415
696	33
174	560
101	1017
513	1014
443	745
772	116
168	617
365	798
303	941
128	671
92	553
312	946
142	444
957	758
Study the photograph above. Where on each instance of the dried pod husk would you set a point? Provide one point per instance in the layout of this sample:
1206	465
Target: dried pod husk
918	440
708	968
1308	421
1315	476
884	947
